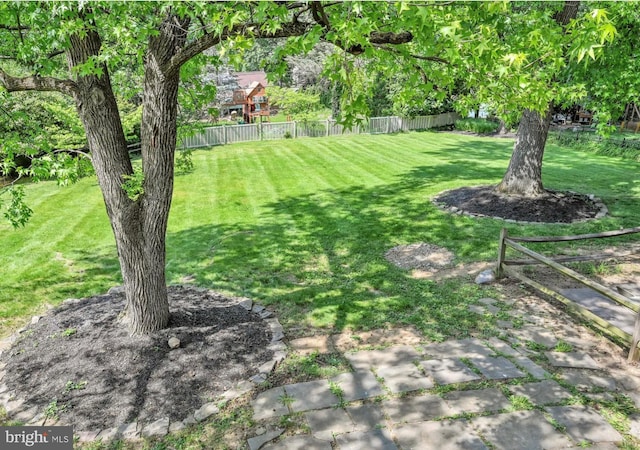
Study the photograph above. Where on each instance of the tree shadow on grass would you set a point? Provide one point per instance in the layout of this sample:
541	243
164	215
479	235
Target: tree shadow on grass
319	258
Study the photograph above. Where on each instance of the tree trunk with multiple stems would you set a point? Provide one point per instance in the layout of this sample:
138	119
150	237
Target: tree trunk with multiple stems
139	226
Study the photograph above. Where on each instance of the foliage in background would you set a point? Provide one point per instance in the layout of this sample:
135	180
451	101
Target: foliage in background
480	126
298	103
612	80
622	145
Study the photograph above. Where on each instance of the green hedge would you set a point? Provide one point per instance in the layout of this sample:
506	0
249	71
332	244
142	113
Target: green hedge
480	126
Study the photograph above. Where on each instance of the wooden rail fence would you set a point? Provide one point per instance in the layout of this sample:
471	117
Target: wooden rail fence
631	303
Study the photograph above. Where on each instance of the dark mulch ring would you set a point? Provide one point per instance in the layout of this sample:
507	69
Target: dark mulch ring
79	362
554	207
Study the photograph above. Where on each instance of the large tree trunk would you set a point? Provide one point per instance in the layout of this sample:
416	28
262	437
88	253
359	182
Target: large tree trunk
139	226
524	174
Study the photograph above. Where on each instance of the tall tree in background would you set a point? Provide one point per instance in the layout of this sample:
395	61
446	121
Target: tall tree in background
520	59
524	174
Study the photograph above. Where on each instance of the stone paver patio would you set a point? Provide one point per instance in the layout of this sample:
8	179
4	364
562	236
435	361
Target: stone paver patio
459	394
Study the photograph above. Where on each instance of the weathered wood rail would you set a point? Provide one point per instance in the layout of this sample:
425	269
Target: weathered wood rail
506	267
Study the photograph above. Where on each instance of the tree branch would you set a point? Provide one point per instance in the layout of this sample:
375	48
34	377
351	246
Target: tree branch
16	28
209	40
290	29
414	56
35	83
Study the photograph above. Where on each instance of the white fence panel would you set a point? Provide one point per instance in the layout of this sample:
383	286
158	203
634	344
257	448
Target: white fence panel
313	128
426	122
242	133
278	130
377	125
336	129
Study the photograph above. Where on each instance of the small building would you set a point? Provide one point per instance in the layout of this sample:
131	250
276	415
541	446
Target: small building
254	102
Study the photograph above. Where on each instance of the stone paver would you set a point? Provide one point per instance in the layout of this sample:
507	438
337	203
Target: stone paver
506	324
440	435
464	348
634	426
404	378
503	347
366	440
585	380
389	357
532	368
158	428
311	395
479	401
299	443
269	404
426	421
448	371
366	417
358	385
522	430
541	393
325	422
499	368
536	334
416	409
258	441
572	359
584	424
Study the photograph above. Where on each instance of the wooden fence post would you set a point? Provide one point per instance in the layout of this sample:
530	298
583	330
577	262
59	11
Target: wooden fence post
295	129
327	131
224	134
633	351
504	233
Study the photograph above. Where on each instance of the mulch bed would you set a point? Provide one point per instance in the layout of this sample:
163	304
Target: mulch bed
79	361
553	207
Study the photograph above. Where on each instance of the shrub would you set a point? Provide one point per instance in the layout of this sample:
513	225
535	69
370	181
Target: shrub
480	126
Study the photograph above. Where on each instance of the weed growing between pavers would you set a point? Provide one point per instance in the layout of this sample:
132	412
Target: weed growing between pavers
563	346
520	403
338	392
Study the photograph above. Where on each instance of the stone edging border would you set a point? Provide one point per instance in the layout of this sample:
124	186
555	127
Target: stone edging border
603	211
17	409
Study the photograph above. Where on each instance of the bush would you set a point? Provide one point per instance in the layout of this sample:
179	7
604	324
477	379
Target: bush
480	126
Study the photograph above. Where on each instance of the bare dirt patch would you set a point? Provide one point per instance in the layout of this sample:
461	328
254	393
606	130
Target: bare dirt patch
80	363
432	262
420	256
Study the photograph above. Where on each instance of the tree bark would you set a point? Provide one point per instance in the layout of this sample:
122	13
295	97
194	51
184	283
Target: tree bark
524	174
143	263
139	226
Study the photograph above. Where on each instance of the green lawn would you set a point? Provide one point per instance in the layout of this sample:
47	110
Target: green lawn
303	225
